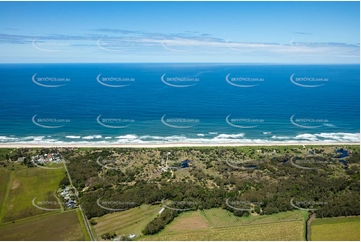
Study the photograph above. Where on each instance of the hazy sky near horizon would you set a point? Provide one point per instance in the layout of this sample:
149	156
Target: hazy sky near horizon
241	32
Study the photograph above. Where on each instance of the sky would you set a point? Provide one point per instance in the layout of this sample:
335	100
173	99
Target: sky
219	32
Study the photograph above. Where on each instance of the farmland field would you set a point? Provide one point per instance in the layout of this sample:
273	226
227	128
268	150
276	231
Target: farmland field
273	231
336	229
222	218
209	224
126	222
188	221
219	224
46	227
24	185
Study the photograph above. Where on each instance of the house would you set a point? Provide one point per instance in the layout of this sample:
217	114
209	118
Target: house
41	161
70	204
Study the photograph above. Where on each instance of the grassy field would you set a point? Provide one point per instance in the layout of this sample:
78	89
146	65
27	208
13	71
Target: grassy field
52	226
4	184
131	221
192	220
336	229
211	224
223	218
273	231
24	185
82	225
219	224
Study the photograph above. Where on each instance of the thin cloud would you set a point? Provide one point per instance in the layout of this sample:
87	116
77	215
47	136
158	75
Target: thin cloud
9	29
144	42
116	31
303	33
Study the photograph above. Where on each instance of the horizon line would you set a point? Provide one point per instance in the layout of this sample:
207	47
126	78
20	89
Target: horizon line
237	63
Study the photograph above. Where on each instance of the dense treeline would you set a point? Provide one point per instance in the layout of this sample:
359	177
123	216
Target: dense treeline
160	222
193	197
272	197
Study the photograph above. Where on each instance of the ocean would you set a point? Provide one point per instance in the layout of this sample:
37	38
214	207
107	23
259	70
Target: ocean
178	103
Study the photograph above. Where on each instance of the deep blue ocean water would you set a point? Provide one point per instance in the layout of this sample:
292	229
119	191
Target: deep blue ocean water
172	103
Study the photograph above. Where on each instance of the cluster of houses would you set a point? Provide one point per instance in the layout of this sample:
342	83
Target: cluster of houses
46	158
67	195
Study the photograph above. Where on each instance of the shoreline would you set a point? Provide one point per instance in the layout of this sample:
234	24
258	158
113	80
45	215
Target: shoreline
169	145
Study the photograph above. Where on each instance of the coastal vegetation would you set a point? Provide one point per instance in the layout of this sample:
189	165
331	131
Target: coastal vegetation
135	177
230	186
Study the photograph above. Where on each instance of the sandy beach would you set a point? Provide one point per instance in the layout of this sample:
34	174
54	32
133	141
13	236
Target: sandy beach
167	145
